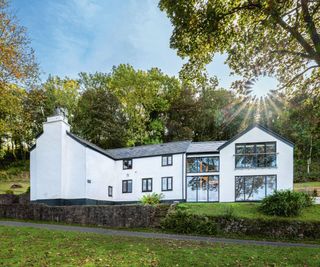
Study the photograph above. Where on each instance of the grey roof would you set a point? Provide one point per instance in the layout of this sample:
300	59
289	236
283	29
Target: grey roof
149	150
205	147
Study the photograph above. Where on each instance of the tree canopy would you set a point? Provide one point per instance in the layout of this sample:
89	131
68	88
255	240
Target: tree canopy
260	37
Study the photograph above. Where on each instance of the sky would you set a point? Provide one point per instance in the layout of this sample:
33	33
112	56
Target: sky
72	36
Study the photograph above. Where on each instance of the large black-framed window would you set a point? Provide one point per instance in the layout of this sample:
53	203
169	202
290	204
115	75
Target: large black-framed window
126	186
203	188
255	155
166	183
147	185
166	160
110	191
203	164
254	187
127	164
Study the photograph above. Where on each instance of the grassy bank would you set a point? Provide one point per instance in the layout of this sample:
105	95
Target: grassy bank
35	247
245	210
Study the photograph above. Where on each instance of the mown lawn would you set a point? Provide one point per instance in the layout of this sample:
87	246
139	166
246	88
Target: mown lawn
245	210
306	185
4	186
35	247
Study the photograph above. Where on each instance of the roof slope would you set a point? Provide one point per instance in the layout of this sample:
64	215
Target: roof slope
149	150
205	147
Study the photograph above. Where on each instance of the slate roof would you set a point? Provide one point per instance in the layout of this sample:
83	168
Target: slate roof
149	150
205	147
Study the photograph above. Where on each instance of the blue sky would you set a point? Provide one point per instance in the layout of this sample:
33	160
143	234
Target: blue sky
71	36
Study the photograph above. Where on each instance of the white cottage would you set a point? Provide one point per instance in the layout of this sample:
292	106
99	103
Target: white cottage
67	170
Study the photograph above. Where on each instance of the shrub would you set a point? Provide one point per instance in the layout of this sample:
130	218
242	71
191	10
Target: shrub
9	192
285	203
151	199
182	222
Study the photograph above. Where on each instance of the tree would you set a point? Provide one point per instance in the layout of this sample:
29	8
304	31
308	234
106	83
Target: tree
261	37
17	61
100	119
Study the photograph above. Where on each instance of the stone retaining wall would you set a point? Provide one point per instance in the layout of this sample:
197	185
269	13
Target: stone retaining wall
110	216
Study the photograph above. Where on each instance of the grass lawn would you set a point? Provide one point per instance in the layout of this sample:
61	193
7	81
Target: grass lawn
306	184
245	210
35	247
4	186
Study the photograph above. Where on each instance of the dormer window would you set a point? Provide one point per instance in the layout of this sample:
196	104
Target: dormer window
127	164
167	160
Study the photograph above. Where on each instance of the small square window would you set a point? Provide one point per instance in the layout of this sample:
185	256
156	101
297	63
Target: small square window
167	160
127	164
110	191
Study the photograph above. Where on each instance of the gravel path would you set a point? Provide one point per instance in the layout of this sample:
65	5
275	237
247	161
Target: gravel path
103	231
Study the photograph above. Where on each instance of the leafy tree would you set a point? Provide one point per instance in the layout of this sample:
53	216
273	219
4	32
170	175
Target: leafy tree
260	37
100	119
17	61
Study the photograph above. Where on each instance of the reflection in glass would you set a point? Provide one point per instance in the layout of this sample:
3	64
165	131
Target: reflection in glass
203	188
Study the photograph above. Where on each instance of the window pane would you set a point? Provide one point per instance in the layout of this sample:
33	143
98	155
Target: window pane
249	149
129	186
149	181
271	184
258	190
250	161
271	160
240	161
192	187
260	148
164	161
144	185
271	147
261	160
169	183
169	160
213	188
248	187
202	192
239	188
239	149
193	165
164	184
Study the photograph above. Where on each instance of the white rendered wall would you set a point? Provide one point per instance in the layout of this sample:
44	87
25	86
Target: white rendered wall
100	170
48	161
284	169
150	167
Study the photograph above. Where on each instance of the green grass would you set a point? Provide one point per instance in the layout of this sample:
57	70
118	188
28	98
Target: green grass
4	186
306	184
38	247
245	210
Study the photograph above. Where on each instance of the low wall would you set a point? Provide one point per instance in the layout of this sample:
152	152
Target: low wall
110	216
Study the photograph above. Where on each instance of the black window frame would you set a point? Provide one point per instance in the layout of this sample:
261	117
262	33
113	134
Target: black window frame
110	191
125	189
255	156
167	183
147	183
167	156
217	157
124	167
244	186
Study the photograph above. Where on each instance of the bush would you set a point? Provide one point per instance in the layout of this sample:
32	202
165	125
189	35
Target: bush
151	199
182	222
285	203
9	192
